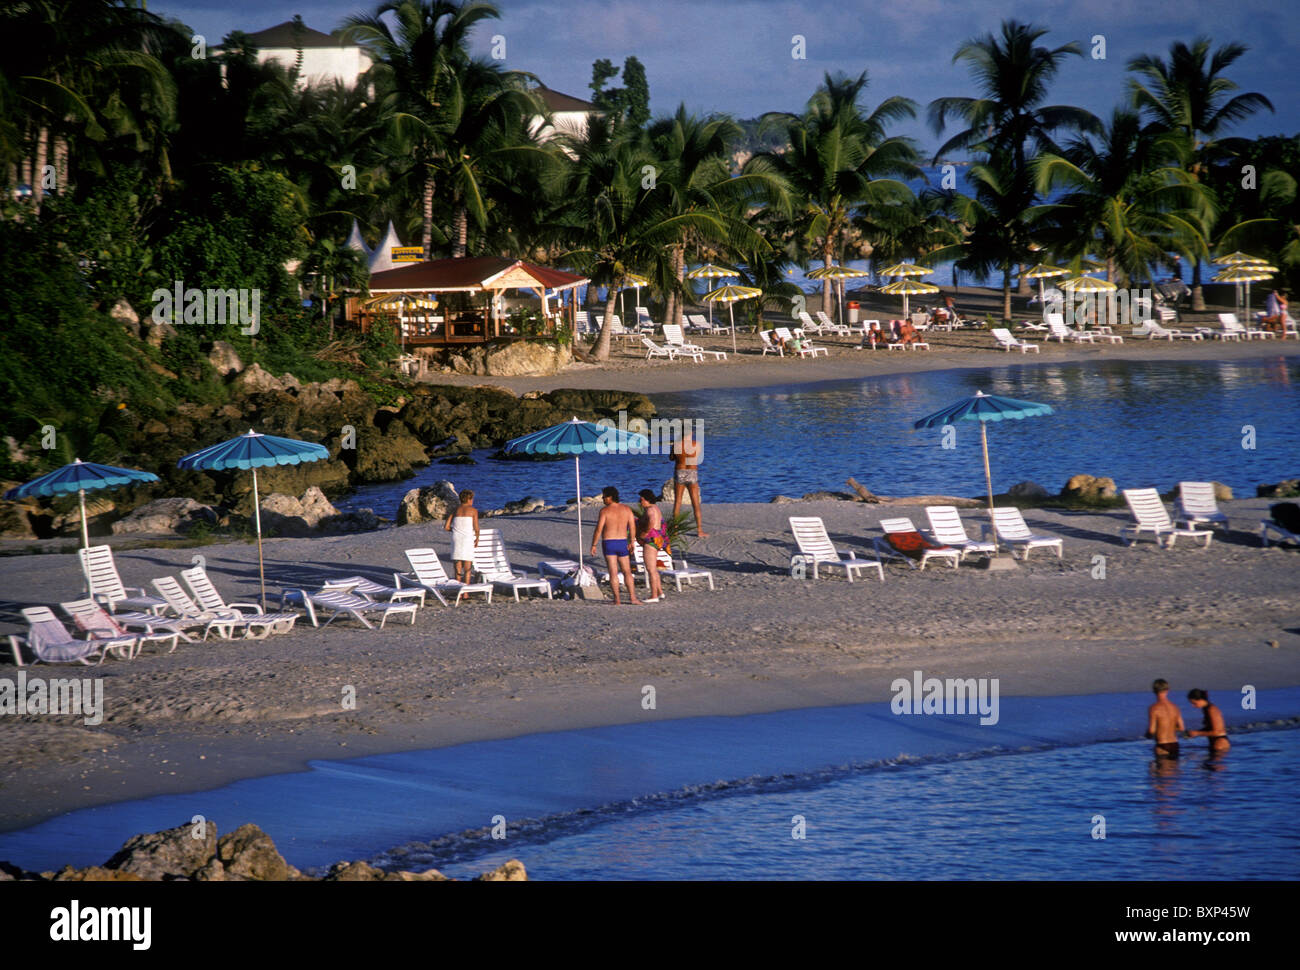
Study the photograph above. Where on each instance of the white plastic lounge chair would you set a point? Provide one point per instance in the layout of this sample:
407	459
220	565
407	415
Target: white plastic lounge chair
808	344
768	346
1014	533
672	353
808	323
91	618
1197	504
189	613
920	321
372	590
643	321
1150	515
427	572
49	641
817	550
1059	331
339	601
667	567
698	322
827	325
676	340
1154	331
903	525
1009	343
946	528
248	614
493	563
1232	328
806	349
106	585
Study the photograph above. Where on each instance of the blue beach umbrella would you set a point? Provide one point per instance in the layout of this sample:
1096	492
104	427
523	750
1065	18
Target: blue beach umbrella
577	437
984	408
80	477
254	451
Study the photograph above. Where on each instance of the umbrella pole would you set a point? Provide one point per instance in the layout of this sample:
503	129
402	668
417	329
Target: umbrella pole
257	518
577	480
85	529
731	308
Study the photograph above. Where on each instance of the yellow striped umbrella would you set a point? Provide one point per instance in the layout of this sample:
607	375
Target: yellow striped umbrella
1242	272
636	282
1233	259
906	269
1040	272
837	274
730	295
710	272
907	288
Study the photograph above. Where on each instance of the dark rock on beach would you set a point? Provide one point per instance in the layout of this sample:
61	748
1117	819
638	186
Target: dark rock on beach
193	852
1287	488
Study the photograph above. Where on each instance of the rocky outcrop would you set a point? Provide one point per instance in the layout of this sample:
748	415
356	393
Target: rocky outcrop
224	359
1088	488
1029	490
245	855
529	504
432	503
1287	488
165	516
125	314
526	358
167	854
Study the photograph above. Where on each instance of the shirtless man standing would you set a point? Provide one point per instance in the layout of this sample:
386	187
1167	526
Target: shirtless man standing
616	530
1164	721
686	476
1213	726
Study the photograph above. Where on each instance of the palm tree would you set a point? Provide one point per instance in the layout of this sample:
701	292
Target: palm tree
420	65
1122	200
839	159
1188	96
696	177
1013	73
334	266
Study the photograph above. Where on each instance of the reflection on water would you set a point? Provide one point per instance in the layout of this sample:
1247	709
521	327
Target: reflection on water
1142	424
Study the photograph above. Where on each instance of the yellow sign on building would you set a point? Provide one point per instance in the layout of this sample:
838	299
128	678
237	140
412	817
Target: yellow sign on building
407	254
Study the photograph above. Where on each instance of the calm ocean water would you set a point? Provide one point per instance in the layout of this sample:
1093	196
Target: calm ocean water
881	796
1142	424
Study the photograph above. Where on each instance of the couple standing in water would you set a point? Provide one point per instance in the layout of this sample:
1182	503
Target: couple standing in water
1165	721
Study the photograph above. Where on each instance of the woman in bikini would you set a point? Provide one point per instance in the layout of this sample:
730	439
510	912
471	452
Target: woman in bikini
1212	725
653	537
686	476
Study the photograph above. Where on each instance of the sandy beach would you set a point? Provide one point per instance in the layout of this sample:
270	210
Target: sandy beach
217	711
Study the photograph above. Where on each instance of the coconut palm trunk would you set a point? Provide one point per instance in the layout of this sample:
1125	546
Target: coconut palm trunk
460	232
426	208
601	351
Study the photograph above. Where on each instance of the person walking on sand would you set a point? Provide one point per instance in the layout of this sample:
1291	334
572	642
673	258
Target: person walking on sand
1164	721
463	526
614	531
1213	725
653	537
686	476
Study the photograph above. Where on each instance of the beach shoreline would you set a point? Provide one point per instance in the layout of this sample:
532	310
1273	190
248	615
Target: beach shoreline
216	712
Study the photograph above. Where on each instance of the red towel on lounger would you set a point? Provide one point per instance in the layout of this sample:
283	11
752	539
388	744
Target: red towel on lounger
910	544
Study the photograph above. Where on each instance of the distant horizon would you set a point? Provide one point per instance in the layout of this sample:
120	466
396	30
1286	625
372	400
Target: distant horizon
690	58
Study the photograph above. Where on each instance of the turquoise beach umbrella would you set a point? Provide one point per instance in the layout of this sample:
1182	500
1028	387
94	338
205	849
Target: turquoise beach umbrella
984	408
577	437
80	477
254	451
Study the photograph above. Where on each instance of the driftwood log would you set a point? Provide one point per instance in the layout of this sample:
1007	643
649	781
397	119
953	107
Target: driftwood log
863	492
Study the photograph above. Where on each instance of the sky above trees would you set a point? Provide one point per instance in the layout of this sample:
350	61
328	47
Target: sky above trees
723	55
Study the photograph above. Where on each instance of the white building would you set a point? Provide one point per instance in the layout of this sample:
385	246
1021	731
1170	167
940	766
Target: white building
325	57
568	114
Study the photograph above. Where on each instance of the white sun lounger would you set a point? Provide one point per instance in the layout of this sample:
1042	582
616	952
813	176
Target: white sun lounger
378	591
1009	343
339	602
904	524
1013	532
250	615
1059	331
1150	515
1268	527
676	340
427	572
106	585
493	564
1233	329
946	528
768	346
667	567
806	350
92	619
817	550
49	641
1197	504
187	611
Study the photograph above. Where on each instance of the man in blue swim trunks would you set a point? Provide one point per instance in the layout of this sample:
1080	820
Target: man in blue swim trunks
616	531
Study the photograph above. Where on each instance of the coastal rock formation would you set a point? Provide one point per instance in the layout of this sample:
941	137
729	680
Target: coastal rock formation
167	854
192	851
287	515
165	516
526	358
1287	488
1029	490
1088	488
529	504
432	503
224	359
